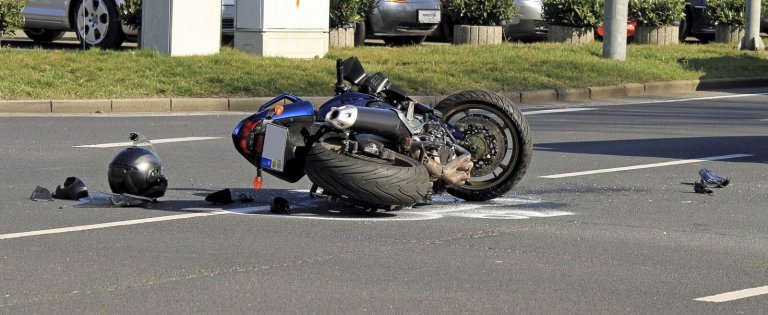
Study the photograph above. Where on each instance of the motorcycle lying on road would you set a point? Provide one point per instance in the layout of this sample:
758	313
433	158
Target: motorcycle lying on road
376	148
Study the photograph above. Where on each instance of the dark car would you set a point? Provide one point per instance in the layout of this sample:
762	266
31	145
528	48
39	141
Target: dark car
696	24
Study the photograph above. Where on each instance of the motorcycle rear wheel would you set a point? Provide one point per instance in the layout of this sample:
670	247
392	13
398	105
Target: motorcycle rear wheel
369	181
497	136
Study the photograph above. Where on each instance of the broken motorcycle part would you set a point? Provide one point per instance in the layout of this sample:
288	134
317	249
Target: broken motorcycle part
41	194
73	189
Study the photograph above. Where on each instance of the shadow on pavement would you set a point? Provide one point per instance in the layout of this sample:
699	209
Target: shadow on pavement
673	148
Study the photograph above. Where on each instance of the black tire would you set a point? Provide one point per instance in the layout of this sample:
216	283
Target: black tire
360	34
518	156
373	181
43	35
685	27
403	40
100	27
446	28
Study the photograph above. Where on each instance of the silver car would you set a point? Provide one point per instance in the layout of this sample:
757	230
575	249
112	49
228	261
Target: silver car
96	22
527	25
402	22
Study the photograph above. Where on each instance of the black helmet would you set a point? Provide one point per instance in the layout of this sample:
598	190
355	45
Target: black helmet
136	171
73	189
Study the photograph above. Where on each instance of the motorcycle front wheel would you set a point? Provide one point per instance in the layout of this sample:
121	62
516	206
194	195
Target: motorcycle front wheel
366	180
498	137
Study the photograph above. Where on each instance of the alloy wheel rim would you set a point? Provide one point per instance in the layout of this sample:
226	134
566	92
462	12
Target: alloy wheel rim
92	21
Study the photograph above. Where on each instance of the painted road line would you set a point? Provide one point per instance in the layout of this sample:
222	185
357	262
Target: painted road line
553	111
637	167
154	141
109	224
703	98
735	295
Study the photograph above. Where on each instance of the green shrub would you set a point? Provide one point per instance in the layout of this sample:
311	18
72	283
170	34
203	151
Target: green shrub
11	17
345	13
481	12
575	13
656	12
729	12
130	13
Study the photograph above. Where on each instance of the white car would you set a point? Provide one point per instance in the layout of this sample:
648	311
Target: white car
96	22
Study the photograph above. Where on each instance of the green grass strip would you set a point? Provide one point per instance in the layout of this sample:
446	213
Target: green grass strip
422	70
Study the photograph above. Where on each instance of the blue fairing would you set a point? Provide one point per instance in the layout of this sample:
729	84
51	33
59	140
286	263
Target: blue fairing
349	98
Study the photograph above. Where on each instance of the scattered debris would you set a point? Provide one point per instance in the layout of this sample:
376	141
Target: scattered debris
701	188
710	179
73	189
225	197
41	194
280	205
102	199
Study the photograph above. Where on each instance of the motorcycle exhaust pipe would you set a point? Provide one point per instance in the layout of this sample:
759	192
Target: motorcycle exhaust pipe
382	122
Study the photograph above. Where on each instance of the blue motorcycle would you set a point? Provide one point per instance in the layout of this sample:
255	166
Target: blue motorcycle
376	148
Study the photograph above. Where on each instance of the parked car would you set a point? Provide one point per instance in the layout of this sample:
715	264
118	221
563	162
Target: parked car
96	22
401	22
527	26
696	24
631	25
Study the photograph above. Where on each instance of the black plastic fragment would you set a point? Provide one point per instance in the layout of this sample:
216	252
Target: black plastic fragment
73	189
41	194
280	205
701	188
223	197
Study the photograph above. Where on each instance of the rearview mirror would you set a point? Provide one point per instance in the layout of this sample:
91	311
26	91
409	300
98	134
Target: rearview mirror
353	71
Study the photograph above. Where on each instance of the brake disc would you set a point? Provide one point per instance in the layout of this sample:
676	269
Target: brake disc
485	141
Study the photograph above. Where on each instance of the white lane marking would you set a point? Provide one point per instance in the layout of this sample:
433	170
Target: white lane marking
109	224
552	111
735	295
637	167
703	98
154	141
443	207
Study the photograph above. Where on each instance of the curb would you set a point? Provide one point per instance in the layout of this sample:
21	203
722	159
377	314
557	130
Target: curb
250	104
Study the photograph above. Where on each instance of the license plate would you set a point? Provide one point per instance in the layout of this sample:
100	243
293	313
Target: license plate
429	16
273	153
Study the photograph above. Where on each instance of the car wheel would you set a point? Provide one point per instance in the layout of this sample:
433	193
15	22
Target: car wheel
360	34
685	30
404	40
98	24
42	35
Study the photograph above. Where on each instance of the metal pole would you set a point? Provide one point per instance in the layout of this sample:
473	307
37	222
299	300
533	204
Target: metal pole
615	30
752	40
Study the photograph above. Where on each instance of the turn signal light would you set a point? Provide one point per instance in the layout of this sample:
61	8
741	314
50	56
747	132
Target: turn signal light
279	109
257	181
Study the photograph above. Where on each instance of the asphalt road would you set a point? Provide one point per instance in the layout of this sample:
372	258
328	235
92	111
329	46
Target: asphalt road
606	241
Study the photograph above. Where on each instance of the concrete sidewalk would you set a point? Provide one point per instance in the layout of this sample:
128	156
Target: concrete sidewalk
160	105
